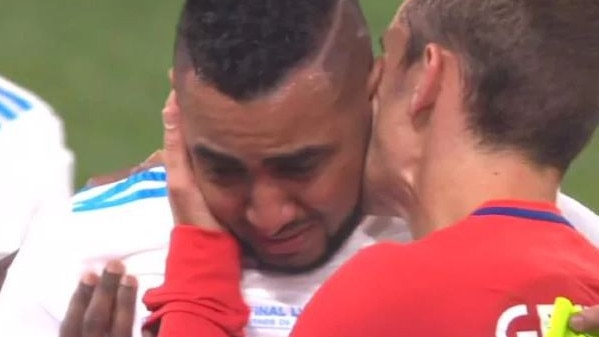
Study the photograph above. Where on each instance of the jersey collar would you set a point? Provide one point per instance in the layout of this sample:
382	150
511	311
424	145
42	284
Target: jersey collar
532	210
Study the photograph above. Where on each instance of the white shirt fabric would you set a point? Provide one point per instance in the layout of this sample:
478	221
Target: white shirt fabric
36	170
130	220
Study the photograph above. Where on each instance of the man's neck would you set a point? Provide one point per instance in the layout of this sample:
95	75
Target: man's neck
453	188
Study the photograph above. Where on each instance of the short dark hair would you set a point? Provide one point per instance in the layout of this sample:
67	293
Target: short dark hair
245	48
530	69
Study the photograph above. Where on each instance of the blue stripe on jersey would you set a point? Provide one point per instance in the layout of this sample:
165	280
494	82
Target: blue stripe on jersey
17	100
101	200
525	213
137	195
6	112
126	184
20	102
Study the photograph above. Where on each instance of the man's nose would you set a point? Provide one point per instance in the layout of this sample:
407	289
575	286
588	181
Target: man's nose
270	208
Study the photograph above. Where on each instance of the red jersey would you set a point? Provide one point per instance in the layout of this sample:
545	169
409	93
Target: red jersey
495	273
200	295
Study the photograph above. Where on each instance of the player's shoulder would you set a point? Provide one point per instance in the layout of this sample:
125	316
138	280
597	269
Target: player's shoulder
20	104
580	216
131	217
135	192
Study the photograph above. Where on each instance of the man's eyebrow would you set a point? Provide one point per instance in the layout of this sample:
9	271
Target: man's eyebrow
300	154
214	155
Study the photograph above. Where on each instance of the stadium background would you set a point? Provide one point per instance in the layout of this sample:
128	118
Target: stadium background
102	65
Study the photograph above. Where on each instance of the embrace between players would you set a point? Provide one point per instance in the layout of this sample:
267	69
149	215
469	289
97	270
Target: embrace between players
281	133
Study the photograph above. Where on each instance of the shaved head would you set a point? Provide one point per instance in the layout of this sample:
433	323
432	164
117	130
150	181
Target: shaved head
335	42
345	54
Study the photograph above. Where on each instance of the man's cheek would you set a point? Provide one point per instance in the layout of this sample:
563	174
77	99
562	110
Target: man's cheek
336	201
226	208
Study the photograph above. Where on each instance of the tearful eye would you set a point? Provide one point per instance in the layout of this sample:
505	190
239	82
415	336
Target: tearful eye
294	171
219	167
302	165
225	171
225	174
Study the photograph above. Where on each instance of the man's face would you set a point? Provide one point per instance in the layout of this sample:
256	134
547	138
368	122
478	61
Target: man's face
393	147
281	171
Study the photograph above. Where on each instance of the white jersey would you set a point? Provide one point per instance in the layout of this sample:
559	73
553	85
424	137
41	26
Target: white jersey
131	220
36	169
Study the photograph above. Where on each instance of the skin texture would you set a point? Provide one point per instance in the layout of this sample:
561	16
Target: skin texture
102	305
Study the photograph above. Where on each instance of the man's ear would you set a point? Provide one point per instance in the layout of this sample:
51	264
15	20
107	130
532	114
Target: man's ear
429	82
171	77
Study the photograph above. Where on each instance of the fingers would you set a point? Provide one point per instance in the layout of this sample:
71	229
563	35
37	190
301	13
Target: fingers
102	306
72	324
98	316
586	321
179	180
187	202
124	313
175	152
170	105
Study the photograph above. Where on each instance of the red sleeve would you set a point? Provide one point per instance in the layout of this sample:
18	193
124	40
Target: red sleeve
359	300
201	293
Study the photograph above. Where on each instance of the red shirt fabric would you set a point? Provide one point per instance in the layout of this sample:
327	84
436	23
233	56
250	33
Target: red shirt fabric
201	290
488	275
492	274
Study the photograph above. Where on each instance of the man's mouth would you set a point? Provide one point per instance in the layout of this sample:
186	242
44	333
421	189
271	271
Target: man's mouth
283	246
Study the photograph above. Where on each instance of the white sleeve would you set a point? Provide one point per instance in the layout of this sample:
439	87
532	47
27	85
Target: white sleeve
36	187
36	169
128	220
581	217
